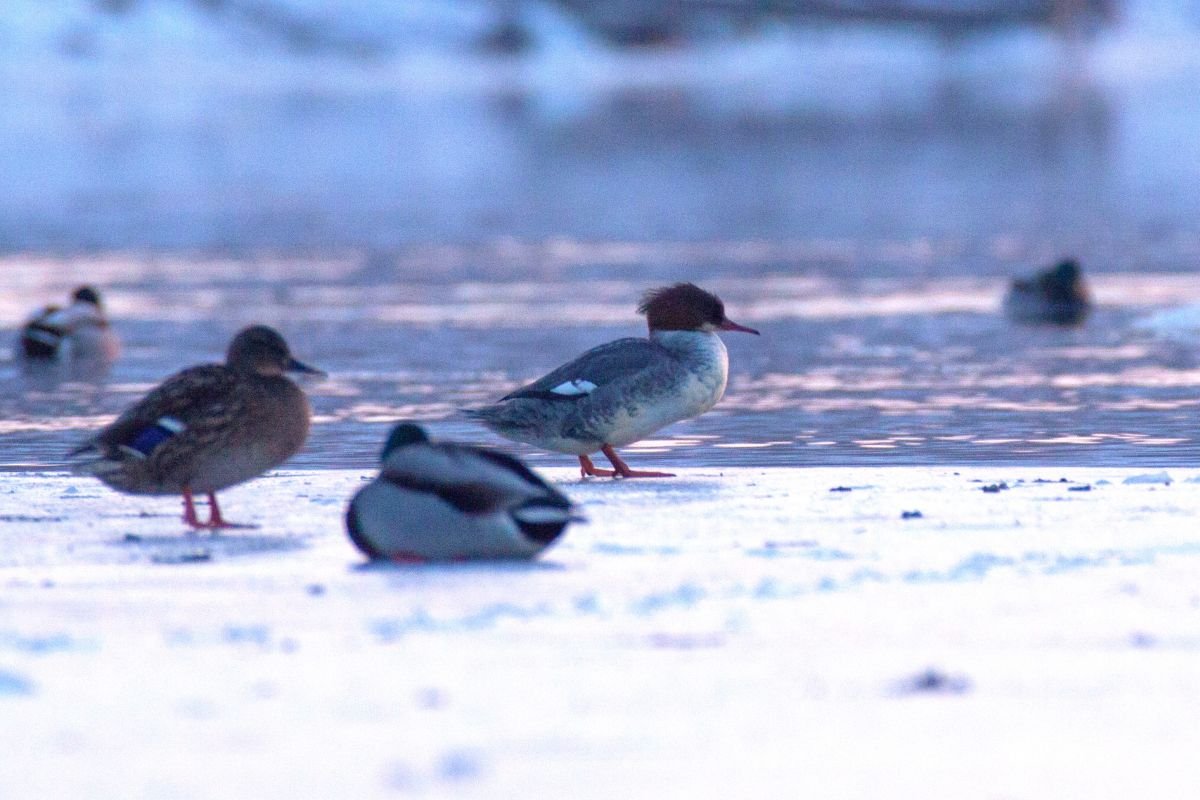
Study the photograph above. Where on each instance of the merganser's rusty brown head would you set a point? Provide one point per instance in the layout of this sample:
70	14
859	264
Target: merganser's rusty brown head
686	307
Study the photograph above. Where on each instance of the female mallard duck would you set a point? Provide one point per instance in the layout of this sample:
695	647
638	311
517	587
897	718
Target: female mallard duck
1056	296
208	427
452	502
79	332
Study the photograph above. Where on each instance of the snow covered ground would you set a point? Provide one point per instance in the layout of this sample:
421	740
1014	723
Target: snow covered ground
1033	633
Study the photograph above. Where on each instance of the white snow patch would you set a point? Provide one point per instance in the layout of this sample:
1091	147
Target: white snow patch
733	632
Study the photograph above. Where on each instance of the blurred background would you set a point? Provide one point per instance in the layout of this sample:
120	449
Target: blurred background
436	201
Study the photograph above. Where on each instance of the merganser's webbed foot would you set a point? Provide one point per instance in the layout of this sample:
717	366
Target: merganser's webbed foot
622	469
588	469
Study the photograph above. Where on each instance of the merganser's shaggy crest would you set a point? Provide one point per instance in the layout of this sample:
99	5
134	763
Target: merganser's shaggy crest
79	332
452	502
618	393
1055	296
208	427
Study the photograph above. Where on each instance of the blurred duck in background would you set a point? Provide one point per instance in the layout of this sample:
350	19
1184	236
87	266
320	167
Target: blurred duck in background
78	333
453	502
1054	296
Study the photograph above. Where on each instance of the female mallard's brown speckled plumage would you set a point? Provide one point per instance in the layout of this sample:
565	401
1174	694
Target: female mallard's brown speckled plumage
208	427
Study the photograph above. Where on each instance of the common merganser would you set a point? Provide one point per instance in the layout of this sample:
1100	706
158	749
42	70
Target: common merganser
79	332
1056	296
618	393
452	502
207	428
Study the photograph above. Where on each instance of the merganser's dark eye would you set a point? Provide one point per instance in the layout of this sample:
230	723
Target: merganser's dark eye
717	316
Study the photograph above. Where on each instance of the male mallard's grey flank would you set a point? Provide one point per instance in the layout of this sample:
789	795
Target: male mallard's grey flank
1055	296
451	502
208	427
623	391
78	332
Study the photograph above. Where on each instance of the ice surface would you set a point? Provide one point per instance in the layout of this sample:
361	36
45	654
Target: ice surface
737	633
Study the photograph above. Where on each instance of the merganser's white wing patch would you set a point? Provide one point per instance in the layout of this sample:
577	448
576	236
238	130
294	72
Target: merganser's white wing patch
575	387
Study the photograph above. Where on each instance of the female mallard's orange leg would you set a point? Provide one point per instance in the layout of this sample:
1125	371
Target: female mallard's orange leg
586	468
215	520
622	469
189	511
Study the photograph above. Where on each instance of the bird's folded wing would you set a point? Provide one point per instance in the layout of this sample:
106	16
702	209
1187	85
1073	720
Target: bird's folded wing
599	367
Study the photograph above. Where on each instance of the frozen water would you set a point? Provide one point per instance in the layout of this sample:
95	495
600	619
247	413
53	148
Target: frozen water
864	358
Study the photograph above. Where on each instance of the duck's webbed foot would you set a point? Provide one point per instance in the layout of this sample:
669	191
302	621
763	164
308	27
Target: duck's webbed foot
622	470
216	521
588	469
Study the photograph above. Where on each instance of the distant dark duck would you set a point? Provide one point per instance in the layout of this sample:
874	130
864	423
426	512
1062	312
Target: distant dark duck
620	392
452	502
207	428
78	332
1055	296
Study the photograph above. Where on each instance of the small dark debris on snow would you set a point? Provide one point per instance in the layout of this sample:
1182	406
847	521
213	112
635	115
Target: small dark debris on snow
1142	639
911	515
430	697
186	557
1045	480
457	765
934	681
1087	487
315	589
132	537
841	489
774	544
994	488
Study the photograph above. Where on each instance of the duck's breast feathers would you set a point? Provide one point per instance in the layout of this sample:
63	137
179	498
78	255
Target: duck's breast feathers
472	480
596	369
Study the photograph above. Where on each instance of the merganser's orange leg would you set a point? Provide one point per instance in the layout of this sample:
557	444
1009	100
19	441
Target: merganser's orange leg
622	469
587	468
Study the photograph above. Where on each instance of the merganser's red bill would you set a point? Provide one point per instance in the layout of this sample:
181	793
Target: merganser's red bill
730	325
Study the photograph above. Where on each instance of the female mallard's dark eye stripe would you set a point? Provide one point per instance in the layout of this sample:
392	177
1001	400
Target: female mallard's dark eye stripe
152	437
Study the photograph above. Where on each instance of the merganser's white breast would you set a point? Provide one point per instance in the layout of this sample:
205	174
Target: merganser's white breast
687	380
